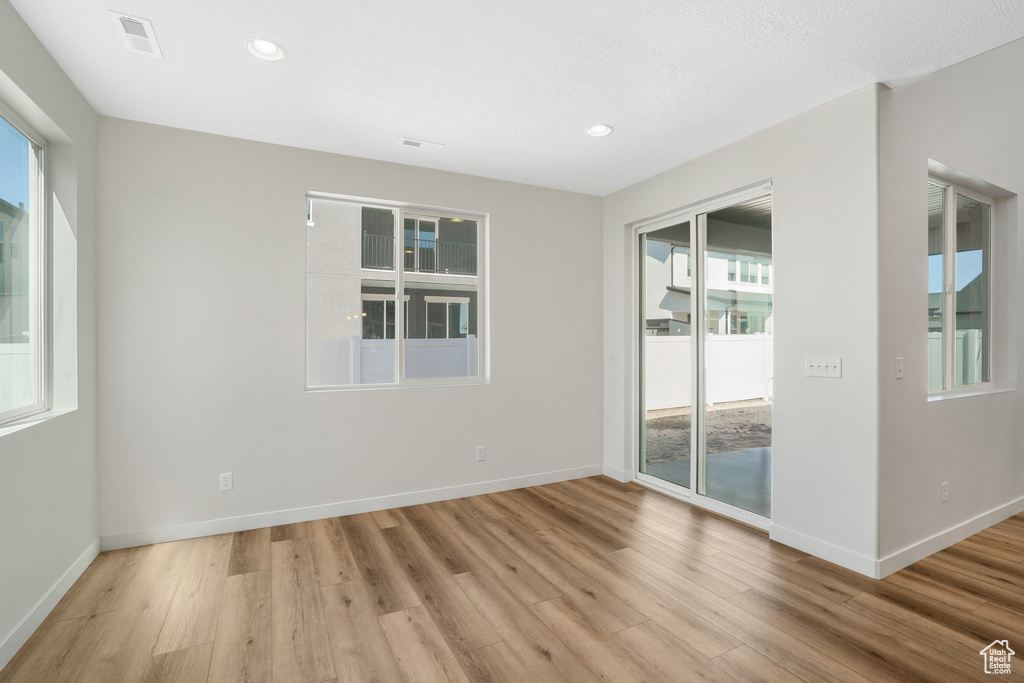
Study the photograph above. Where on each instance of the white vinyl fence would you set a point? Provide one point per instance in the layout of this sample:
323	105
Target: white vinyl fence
969	365
342	362
739	369
17	376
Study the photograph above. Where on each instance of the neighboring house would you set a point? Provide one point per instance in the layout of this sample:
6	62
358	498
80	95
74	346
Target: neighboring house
971	303
739	297
352	274
14	275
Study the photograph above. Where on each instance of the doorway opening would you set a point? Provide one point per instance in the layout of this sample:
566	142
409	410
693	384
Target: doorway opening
705	354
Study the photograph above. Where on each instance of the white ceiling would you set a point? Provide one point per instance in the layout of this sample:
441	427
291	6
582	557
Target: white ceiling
509	85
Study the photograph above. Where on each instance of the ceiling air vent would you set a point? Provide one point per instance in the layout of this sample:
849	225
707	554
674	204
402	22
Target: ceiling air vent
422	144
137	34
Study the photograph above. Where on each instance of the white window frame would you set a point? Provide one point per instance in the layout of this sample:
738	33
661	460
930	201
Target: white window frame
40	218
481	281
949	387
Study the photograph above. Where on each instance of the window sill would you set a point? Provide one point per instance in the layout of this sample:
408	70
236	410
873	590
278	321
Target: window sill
969	391
474	382
30	420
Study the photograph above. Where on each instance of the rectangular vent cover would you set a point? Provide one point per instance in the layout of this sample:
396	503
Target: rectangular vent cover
137	34
422	144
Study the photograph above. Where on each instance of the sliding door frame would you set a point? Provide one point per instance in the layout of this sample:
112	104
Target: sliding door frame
696	215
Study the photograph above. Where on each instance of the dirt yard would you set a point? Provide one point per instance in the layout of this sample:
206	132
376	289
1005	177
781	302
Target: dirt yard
731	427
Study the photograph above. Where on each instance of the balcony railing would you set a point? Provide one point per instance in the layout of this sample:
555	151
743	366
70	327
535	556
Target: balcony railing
420	256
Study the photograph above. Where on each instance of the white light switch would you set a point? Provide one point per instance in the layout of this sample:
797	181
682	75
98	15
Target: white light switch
823	367
899	367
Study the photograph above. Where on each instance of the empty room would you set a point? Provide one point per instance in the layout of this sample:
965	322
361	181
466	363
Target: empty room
508	341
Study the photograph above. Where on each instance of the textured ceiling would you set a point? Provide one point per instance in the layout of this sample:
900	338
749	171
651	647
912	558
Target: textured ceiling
509	85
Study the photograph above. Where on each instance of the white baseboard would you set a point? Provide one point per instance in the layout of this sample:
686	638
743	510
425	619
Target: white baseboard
18	636
844	557
225	525
616	474
933	544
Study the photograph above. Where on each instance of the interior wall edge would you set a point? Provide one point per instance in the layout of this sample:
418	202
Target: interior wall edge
177	532
844	557
907	556
24	629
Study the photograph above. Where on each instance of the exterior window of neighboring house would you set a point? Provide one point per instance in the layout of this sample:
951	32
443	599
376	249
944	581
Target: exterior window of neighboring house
447	317
363	256
959	283
22	271
732	270
379	316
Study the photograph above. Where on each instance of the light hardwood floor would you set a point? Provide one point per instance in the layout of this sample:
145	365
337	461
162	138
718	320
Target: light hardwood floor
588	580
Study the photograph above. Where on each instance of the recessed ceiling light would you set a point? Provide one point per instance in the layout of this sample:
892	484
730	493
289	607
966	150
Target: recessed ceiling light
266	49
600	130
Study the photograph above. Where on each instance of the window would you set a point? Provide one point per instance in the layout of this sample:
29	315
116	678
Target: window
959	277
447	318
22	309
364	256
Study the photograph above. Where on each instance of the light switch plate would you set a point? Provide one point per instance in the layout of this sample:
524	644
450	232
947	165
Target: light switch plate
824	367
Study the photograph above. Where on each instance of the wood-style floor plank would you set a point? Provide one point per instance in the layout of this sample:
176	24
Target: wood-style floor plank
191	665
102	585
250	551
289	532
806	662
455	554
301	649
672	658
584	580
377	565
420	649
164	559
494	664
593	599
592	644
659	606
748	665
517	574
125	649
242	648
331	555
386	519
533	643
360	649
192	618
454	614
58	651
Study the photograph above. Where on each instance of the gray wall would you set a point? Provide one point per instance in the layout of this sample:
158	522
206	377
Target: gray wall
202	253
825	221
967	116
48	469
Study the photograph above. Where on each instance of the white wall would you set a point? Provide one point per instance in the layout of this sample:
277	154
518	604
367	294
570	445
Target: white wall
823	166
969	117
201	291
48	518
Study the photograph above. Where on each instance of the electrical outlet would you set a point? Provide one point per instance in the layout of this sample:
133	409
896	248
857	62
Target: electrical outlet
945	491
899	367
226	481
823	367
481	454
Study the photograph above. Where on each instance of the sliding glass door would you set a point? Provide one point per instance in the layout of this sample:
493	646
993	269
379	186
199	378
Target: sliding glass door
666	265
706	282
